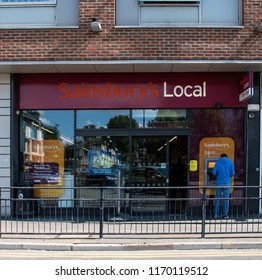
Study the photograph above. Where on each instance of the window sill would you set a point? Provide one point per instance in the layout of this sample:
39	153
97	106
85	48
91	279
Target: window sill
35	26
29	4
181	26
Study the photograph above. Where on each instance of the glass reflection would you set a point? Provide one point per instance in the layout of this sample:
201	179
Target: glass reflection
161	118
103	119
142	118
101	162
47	147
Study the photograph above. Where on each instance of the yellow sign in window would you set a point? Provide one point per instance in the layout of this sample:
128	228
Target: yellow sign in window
193	165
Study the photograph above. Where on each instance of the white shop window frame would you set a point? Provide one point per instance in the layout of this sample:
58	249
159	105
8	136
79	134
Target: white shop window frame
128	21
168	4
168	1
39	15
30	3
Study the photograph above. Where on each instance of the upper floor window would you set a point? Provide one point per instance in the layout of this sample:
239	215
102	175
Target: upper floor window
20	2
179	13
38	13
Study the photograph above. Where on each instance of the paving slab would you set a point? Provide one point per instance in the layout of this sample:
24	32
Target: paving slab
127	244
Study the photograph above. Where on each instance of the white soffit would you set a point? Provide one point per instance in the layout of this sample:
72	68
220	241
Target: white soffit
129	66
191	67
114	68
36	68
153	67
73	68
238	67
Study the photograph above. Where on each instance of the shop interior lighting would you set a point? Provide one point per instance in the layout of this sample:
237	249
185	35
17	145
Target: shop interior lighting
160	148
175	137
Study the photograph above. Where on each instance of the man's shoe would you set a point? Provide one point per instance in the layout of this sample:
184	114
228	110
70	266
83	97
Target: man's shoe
216	217
226	217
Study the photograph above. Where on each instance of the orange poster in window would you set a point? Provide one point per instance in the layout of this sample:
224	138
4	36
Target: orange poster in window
209	152
46	172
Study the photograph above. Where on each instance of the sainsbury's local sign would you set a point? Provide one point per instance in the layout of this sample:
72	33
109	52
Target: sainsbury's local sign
120	91
246	87
139	92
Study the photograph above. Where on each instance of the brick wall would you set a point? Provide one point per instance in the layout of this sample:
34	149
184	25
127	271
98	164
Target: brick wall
134	43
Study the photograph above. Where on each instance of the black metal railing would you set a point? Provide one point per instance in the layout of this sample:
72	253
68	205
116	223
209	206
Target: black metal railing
126	211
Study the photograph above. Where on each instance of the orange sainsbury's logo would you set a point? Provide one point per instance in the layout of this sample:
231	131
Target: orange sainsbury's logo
108	90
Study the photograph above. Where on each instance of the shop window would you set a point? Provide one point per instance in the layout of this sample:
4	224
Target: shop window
38	13
214	132
47	150
187	13
220	123
160	118
103	119
101	162
123	119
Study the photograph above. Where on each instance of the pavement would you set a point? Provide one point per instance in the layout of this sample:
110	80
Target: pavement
128	243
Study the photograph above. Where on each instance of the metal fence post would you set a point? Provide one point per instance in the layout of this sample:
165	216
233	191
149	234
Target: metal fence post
0	212
204	209
101	213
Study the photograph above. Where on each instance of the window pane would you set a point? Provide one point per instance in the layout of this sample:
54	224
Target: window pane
219	123
204	12
101	119
101	161
169	14
160	118
22	1
213	11
47	150
46	13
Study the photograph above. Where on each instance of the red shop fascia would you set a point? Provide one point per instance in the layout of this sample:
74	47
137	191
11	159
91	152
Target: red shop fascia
129	91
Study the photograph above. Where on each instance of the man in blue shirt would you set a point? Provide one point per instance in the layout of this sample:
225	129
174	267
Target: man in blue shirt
223	171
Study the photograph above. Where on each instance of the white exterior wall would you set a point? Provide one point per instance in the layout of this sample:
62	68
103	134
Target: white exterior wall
5	121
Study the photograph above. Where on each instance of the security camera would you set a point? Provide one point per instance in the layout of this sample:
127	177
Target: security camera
95	25
259	27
